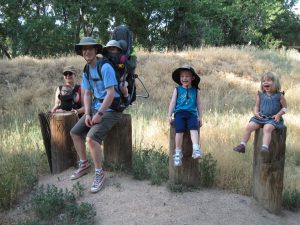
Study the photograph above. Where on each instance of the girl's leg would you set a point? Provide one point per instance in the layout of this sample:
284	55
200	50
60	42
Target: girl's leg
268	128
177	157
178	140
194	137
197	153
251	126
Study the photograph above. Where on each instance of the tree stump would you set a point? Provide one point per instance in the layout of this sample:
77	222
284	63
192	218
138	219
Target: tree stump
187	174
44	119
117	144
63	154
268	170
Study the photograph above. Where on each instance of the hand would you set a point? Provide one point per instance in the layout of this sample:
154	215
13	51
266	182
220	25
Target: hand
88	120
276	118
170	120
75	111
96	119
200	122
257	115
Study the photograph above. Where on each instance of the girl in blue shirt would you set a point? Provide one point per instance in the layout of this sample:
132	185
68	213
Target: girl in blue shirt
186	107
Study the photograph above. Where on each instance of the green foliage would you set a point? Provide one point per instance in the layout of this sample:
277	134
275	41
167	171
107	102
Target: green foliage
53	206
150	164
41	29
291	200
208	170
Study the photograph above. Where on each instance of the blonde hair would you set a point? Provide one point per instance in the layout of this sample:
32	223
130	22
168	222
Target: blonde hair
276	87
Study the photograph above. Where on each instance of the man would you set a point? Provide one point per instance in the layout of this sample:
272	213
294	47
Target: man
99	93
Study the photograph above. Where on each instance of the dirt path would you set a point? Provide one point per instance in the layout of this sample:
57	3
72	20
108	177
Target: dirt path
124	200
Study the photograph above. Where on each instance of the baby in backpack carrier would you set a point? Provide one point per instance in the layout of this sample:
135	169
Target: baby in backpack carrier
114	53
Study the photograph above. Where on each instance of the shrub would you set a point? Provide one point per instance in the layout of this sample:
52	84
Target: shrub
291	199
54	206
208	170
151	164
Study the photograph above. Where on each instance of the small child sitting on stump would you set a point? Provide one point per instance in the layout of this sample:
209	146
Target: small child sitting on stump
269	107
186	107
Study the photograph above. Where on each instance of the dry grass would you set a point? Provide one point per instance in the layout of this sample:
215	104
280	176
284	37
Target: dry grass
229	82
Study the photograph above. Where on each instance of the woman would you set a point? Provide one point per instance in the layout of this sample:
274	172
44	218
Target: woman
69	97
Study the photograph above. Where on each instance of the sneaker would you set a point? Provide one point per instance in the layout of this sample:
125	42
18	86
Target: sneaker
98	182
177	159
197	154
240	148
264	150
83	169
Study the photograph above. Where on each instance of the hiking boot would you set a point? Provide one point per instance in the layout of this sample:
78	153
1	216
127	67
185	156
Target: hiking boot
177	159
264	150
83	169
98	182
240	148
197	154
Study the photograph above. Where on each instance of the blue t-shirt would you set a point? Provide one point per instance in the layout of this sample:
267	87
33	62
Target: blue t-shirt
98	86
186	100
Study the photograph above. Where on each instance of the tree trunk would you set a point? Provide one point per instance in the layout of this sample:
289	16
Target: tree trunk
63	154
118	143
187	174
268	170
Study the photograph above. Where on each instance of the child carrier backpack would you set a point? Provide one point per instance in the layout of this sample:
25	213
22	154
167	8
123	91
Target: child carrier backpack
67	101
123	35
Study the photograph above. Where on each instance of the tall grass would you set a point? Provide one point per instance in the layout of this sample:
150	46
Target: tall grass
229	83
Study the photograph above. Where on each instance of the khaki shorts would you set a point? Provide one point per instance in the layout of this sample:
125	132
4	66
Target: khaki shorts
98	131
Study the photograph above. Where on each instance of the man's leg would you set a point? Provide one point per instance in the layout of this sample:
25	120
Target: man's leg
95	136
77	133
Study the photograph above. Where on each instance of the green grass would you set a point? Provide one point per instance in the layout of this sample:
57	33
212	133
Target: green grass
21	158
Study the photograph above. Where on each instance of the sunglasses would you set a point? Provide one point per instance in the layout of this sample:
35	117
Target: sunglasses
68	74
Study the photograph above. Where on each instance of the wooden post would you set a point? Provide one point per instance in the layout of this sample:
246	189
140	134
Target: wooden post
188	173
117	145
63	153
268	170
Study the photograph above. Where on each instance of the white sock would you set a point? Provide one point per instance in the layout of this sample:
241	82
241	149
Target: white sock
243	143
178	150
98	170
265	146
83	161
196	147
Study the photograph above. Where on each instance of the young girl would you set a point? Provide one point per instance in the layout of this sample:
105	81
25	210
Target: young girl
186	106
269	108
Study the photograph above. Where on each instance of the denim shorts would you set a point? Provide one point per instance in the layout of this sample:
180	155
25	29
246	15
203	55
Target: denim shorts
98	131
184	121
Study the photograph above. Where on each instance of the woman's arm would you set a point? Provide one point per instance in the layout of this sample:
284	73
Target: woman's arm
56	101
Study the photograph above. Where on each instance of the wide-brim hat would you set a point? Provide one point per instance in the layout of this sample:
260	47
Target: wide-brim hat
69	69
87	41
176	75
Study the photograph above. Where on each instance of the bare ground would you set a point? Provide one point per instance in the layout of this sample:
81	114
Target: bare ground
124	200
